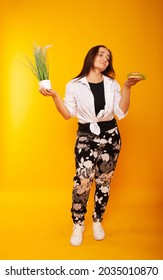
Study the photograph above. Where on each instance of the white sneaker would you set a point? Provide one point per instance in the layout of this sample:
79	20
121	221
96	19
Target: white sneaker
98	231
76	237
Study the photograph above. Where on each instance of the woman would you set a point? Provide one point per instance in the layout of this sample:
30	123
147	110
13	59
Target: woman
94	98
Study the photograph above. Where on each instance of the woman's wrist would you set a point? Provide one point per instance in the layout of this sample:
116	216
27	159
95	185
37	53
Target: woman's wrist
127	85
53	93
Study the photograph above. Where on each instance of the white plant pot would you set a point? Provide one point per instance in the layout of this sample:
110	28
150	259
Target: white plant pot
45	84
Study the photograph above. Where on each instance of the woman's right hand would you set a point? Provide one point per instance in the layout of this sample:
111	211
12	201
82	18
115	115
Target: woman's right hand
62	109
47	92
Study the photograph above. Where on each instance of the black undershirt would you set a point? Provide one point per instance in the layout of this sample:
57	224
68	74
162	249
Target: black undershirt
99	96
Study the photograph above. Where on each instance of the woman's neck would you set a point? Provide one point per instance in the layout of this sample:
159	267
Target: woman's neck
94	77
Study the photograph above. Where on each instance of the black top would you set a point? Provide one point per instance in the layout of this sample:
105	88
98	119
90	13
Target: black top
99	97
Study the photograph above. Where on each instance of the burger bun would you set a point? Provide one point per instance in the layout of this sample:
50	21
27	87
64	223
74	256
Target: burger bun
136	75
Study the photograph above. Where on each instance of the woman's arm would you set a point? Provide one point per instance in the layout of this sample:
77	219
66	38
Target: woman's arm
125	97
62	109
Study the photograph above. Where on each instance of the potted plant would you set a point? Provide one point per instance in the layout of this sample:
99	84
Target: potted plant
41	66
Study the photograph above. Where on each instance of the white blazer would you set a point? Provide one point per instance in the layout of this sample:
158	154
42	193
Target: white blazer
79	100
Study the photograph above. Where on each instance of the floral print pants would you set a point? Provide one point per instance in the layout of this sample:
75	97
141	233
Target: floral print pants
96	158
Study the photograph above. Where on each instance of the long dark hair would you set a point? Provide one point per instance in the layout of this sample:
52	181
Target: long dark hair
89	63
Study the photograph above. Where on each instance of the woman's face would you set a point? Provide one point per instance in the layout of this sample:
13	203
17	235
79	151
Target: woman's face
101	60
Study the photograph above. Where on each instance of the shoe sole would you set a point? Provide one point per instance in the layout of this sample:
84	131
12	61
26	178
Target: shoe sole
99	238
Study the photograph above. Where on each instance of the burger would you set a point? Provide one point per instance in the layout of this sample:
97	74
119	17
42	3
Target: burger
136	75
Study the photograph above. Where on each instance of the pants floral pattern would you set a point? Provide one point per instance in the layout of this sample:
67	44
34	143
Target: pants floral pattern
96	158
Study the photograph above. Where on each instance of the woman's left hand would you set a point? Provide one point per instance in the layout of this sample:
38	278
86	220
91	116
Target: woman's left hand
131	82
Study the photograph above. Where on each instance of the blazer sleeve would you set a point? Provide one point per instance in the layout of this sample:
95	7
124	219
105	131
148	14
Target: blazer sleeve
117	98
70	100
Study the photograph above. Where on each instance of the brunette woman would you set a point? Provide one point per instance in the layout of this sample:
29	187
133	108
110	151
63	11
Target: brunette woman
95	98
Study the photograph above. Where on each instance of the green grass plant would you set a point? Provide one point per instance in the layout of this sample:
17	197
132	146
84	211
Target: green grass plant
41	66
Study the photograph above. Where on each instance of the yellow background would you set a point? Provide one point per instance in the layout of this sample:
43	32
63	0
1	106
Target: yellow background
37	161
